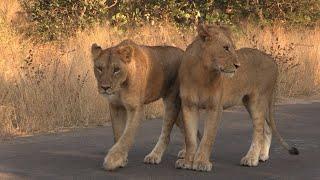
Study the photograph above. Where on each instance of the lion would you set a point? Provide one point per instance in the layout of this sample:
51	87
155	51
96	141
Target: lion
214	76
129	76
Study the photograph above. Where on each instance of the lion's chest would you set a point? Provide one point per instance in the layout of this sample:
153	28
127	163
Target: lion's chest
201	97
114	98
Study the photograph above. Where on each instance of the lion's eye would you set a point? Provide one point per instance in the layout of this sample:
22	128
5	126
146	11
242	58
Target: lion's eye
226	48
116	70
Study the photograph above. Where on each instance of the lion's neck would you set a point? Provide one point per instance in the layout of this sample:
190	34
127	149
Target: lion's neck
203	76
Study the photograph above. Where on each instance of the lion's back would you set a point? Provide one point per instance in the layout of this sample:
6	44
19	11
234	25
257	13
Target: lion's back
257	74
257	65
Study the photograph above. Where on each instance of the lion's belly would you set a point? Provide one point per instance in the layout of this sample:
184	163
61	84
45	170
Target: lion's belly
152	95
155	88
161	80
235	88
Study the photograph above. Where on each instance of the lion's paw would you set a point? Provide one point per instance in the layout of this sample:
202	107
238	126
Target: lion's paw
182	154
202	166
249	161
115	160
152	158
263	157
183	164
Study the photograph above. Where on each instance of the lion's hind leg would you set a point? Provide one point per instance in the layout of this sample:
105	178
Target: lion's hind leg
267	136
256	107
171	113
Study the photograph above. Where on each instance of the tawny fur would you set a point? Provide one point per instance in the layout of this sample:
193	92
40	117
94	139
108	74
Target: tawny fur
130	76
214	76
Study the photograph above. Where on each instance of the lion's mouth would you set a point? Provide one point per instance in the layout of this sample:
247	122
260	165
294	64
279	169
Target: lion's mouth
107	92
228	73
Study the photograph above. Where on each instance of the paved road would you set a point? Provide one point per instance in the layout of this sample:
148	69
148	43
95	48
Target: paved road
79	154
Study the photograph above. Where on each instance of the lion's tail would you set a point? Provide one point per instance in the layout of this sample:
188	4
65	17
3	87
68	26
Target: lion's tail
271	122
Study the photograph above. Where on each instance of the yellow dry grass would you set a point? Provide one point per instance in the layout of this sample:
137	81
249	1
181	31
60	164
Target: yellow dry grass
47	87
297	53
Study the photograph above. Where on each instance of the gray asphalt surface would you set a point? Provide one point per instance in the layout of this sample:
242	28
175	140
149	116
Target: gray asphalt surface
79	154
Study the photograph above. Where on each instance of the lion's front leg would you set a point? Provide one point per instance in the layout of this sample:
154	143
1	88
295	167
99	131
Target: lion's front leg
201	160
117	156
118	115
190	119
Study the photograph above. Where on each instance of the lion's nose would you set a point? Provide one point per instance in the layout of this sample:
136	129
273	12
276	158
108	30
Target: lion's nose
105	87
237	65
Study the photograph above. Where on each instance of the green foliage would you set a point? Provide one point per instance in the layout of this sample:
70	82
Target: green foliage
290	12
184	13
53	19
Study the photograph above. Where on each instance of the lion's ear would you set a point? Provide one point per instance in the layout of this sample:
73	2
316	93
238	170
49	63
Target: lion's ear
126	52
95	50
203	31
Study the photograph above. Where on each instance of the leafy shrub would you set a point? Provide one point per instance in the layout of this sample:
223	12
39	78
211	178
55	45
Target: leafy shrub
304	12
54	19
184	13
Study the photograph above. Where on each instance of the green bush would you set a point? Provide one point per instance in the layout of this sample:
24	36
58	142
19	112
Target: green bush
289	12
54	19
184	13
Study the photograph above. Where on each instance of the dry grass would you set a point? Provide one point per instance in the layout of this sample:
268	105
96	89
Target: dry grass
297	52
51	86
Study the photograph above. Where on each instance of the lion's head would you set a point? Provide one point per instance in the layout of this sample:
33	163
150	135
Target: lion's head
111	66
218	51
